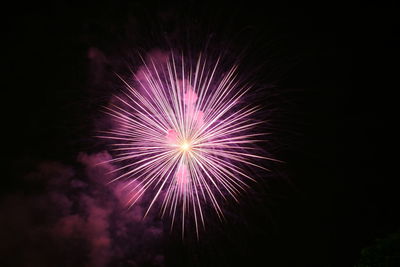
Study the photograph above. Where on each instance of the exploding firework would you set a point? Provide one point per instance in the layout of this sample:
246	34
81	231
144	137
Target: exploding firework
183	134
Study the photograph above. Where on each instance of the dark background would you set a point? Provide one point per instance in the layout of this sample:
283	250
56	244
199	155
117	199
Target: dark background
335	69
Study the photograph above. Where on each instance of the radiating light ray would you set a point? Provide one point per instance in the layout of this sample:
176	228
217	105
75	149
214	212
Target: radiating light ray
183	135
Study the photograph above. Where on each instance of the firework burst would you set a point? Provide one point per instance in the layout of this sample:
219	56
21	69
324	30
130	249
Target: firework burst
183	134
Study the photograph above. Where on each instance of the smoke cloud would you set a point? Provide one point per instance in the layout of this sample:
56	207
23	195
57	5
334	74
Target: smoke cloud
74	217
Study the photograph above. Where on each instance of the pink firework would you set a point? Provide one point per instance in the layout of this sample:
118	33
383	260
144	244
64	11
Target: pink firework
183	135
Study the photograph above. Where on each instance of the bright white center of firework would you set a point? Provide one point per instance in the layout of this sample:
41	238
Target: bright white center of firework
185	146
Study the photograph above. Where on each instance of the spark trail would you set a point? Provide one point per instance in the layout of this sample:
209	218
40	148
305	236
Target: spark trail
183	134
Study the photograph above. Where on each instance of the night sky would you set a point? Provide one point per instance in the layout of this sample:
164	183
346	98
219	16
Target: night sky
328	76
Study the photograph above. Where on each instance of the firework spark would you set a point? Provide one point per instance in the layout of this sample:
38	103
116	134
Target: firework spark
183	133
